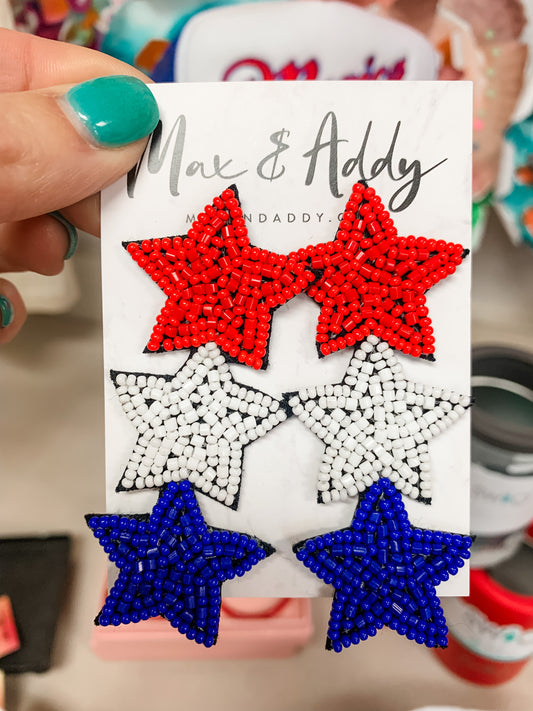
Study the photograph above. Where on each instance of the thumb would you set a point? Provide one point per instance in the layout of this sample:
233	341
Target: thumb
60	145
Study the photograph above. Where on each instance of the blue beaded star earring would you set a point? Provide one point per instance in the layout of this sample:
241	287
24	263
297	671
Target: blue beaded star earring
384	572
172	564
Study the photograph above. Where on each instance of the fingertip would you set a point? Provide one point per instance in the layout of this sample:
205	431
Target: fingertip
47	163
39	245
12	311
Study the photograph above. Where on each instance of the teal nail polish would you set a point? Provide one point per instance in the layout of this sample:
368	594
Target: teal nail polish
6	312
71	231
114	110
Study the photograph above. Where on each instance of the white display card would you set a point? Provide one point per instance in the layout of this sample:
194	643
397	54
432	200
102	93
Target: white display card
295	149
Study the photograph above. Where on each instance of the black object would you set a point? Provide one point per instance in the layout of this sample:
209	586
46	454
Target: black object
33	573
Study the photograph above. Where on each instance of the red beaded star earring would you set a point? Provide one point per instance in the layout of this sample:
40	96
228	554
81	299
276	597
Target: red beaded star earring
374	282
218	286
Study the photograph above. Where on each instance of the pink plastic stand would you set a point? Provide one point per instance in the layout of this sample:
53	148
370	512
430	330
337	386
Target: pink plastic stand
245	632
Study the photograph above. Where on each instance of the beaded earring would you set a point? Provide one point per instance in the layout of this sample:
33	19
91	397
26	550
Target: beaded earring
376	423
384	572
172	564
194	425
218	286
374	282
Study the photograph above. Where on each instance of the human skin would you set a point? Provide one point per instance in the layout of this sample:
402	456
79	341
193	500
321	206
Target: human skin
47	163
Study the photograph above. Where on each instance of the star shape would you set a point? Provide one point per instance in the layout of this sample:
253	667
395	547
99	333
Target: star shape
374	281
219	287
384	572
193	425
172	564
376	423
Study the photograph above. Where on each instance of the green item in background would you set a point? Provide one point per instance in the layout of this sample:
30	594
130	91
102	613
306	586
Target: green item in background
515	203
480	214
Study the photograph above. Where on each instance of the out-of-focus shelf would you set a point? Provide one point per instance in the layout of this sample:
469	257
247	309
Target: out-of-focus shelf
502	290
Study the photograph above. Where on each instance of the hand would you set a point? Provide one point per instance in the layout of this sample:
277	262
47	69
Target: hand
62	139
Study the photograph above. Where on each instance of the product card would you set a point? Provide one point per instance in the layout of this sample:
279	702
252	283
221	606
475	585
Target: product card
286	345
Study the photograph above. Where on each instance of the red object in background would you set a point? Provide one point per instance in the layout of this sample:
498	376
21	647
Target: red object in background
261	608
490	632
250	628
9	639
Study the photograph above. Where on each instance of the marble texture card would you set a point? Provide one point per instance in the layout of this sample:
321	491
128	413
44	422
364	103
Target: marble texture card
335	365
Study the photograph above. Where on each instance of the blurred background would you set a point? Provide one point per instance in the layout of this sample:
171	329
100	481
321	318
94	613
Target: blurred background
51	571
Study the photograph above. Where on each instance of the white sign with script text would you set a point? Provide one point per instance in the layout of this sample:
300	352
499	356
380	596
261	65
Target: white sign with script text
294	150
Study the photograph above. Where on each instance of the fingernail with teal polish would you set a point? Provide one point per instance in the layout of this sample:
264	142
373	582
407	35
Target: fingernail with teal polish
71	231
6	312
113	111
